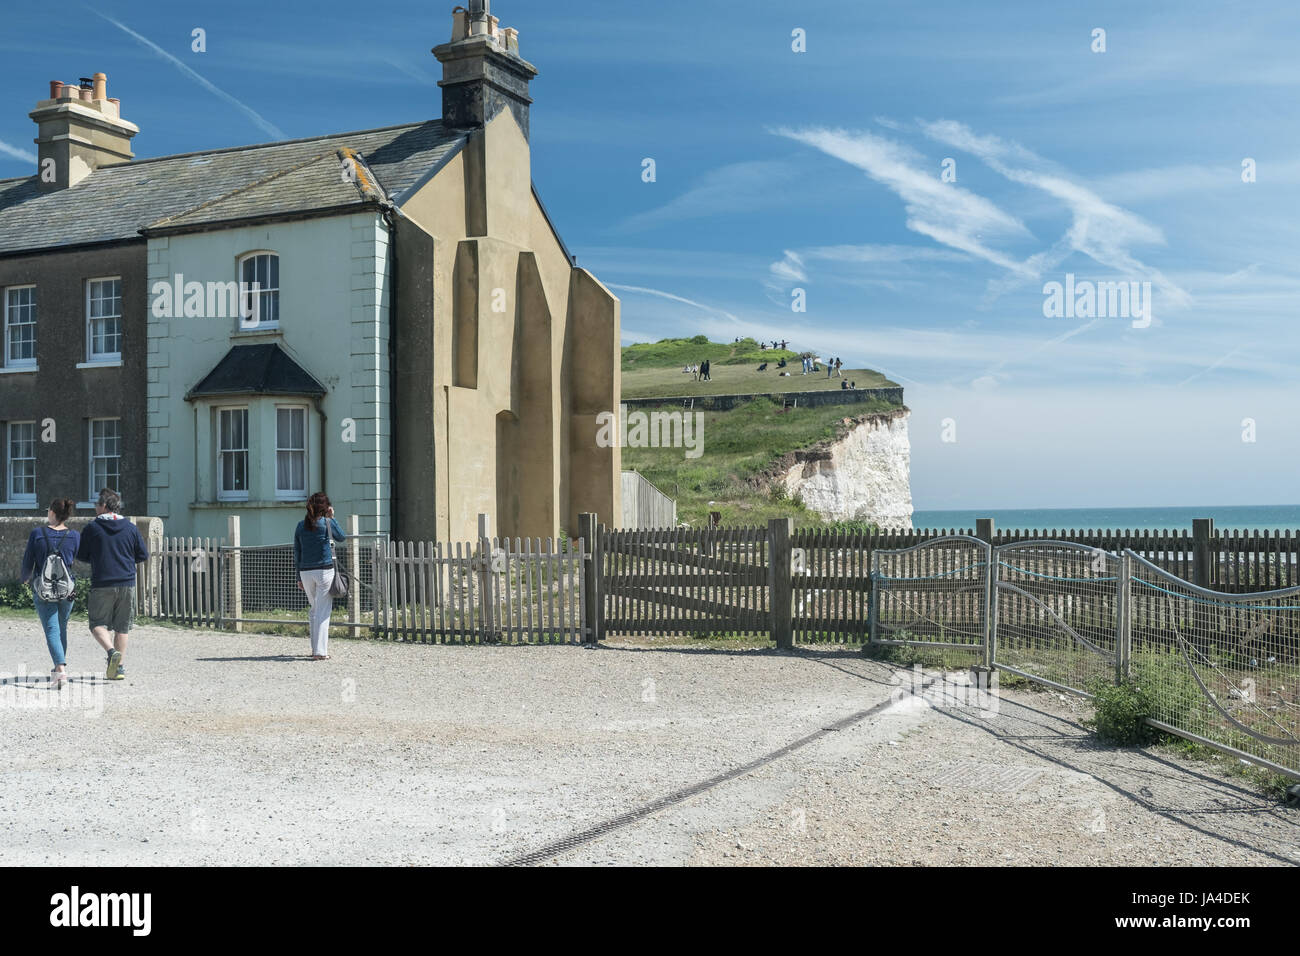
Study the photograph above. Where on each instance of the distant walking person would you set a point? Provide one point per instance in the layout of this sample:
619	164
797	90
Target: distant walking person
112	546
313	556
47	563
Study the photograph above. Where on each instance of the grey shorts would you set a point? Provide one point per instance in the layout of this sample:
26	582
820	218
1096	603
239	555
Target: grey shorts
113	608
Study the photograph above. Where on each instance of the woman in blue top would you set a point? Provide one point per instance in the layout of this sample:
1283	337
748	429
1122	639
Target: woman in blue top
313	556
54	538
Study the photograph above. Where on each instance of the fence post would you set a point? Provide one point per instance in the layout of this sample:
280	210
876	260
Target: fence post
780	582
236	577
589	531
354	592
984	530
1123	632
487	613
1204	556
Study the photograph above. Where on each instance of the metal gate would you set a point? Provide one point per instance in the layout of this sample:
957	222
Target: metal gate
1058	613
934	594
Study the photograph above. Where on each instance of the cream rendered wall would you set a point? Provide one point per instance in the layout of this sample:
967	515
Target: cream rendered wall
333	322
491	235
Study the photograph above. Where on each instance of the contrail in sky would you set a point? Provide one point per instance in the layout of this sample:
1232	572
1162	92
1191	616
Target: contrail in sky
262	122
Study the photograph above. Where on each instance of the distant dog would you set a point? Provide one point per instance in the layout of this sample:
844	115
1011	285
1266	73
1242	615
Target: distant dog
763	367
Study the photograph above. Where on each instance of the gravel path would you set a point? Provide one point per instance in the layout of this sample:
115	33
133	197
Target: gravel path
234	749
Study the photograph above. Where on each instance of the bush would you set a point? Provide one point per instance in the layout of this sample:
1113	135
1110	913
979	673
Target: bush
1166	681
700	340
1120	713
17	595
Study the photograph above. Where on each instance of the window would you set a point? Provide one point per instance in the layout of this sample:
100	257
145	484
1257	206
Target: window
105	455
22	462
291	452
20	327
232	454
262	268
104	320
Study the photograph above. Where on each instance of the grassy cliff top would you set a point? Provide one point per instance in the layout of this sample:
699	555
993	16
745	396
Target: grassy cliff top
654	370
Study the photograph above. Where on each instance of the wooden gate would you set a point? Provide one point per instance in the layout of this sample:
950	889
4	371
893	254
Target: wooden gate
684	581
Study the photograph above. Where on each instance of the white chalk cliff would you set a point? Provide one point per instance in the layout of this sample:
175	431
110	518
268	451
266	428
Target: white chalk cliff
861	476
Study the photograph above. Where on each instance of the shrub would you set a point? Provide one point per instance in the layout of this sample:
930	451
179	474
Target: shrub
1168	684
17	595
1120	713
700	340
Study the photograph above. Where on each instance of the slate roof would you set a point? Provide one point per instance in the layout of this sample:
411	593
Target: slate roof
264	369
194	189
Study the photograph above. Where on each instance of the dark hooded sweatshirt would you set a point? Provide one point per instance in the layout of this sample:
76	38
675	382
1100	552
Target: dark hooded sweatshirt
113	547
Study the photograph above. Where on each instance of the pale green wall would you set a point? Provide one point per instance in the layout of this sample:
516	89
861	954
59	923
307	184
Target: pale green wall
333	322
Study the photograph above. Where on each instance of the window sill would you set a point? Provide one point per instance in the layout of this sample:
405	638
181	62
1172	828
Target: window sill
109	363
18	505
217	505
269	330
19	370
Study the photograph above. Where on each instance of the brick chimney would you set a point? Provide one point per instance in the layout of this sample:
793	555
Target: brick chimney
482	71
79	129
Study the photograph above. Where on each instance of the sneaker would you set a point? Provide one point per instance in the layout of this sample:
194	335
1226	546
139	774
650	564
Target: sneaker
114	665
121	671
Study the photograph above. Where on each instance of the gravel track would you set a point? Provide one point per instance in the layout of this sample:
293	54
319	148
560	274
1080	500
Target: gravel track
235	749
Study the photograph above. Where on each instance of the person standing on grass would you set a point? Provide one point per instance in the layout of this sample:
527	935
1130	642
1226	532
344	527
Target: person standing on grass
313	556
47	564
112	546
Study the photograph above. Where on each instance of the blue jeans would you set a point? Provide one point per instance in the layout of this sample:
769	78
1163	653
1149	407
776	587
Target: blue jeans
54	618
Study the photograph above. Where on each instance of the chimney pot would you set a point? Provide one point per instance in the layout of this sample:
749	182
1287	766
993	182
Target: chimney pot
56	87
101	86
87	93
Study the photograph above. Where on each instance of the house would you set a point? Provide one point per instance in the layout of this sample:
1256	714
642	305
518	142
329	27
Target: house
387	315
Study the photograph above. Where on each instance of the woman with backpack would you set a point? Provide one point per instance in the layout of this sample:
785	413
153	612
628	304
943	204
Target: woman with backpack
313	556
47	563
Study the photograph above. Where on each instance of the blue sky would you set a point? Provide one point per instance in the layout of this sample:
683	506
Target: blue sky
821	170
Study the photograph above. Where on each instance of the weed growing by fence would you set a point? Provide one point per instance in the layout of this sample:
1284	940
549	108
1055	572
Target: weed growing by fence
1120	713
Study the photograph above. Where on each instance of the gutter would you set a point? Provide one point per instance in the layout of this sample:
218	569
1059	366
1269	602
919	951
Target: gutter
390	212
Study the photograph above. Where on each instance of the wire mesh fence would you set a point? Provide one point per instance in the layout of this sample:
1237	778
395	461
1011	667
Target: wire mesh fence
933	594
1218	667
1058	612
260	583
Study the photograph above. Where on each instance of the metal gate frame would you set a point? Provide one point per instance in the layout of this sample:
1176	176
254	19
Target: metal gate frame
1117	659
986	551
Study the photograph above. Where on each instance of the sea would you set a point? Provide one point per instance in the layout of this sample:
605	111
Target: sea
1226	517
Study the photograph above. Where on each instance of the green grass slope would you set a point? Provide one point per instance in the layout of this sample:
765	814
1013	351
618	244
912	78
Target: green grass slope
654	370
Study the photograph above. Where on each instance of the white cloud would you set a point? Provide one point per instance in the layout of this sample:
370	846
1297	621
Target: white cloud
949	214
737	187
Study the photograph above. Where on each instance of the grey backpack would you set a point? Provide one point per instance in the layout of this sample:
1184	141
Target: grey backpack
55	581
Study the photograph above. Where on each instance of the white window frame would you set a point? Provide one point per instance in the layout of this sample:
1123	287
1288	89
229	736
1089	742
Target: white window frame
222	493
93	358
10	497
262	323
116	484
20	363
292	493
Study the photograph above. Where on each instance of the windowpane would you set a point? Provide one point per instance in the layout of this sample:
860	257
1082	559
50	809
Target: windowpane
20	326
104	308
22	462
232	452
291	450
263	269
105	454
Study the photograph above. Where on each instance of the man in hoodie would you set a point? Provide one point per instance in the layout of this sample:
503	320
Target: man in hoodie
112	546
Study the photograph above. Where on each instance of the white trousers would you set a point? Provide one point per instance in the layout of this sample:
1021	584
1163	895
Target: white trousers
316	584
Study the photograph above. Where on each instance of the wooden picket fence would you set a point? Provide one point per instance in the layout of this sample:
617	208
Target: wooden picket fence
181	582
520	591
